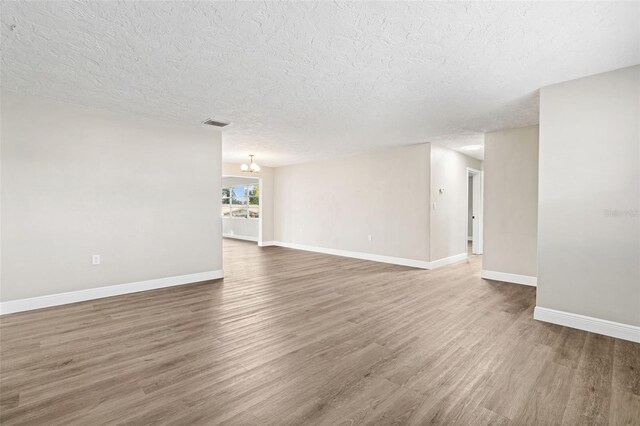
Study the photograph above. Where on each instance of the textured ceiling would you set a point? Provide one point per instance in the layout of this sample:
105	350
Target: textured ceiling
457	142
309	80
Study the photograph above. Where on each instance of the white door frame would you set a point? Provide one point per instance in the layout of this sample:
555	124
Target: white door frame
478	203
259	207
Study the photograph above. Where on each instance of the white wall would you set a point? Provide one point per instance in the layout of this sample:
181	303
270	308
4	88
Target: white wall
511	202
336	204
244	229
266	174
589	197
228	181
449	210
79	181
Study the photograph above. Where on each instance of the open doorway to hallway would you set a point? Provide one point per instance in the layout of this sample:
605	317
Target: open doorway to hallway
474	211
242	208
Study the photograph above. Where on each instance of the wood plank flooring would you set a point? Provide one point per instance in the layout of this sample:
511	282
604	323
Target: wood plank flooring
293	337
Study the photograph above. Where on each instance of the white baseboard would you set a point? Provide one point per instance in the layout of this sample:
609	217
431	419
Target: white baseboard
40	302
240	237
448	260
509	278
358	255
594	325
374	257
267	243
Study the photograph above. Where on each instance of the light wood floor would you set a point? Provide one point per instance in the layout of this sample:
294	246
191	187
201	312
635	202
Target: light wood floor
292	337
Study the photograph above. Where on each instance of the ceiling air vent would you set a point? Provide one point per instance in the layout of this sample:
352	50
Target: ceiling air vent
212	122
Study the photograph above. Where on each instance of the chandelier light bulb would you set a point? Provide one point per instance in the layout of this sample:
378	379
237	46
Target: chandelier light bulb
251	167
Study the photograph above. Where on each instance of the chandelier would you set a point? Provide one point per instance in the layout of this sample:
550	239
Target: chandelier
251	167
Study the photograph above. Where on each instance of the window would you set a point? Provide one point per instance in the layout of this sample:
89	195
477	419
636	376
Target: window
241	201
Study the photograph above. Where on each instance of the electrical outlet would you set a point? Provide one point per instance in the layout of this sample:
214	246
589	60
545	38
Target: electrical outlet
369	238
95	259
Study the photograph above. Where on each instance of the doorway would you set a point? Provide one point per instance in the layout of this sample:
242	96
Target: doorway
242	208
474	234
